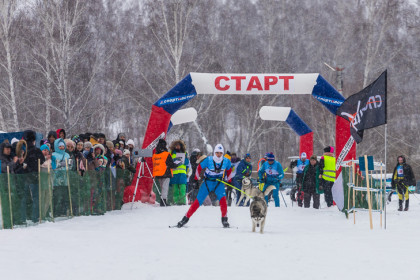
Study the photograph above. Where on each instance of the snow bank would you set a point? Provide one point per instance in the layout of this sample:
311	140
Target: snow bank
297	244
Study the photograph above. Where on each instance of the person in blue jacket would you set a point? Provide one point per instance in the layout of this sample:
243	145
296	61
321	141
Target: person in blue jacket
243	170
217	167
271	173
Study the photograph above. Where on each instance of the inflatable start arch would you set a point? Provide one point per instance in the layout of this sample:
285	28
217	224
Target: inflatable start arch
236	84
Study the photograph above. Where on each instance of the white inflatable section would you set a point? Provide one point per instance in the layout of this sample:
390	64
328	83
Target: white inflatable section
272	113
207	83
184	116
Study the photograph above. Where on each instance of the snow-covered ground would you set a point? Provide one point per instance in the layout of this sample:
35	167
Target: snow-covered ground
297	244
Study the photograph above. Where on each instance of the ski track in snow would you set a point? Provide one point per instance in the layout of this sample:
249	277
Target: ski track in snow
297	244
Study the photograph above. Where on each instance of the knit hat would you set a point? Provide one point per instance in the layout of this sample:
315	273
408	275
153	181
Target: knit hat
130	142
87	145
329	149
44	147
126	152
266	155
14	140
313	157
303	155
219	148
247	155
118	152
270	156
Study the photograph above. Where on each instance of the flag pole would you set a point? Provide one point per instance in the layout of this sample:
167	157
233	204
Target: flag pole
386	131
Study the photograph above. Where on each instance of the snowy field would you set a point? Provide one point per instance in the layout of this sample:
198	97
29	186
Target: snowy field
297	244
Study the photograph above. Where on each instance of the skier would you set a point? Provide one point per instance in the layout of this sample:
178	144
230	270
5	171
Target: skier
402	178
327	174
216	167
271	173
300	163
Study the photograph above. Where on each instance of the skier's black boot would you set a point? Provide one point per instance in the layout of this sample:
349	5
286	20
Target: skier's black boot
184	220
225	222
406	205
400	208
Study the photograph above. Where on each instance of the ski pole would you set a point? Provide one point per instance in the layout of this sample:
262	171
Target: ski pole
234	187
283	197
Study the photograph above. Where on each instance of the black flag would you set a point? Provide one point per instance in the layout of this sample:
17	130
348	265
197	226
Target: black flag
365	109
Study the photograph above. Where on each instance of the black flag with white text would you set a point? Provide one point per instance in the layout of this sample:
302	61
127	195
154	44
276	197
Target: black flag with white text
367	108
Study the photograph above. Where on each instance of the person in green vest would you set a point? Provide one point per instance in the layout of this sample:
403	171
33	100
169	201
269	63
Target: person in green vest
178	183
327	174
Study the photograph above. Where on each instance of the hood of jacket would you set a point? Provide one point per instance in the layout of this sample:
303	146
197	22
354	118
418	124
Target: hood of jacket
181	144
100	146
56	149
61	130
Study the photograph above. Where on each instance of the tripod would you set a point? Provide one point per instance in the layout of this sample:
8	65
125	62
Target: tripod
141	175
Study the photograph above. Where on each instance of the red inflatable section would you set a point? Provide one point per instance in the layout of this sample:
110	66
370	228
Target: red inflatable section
158	124
306	144
342	135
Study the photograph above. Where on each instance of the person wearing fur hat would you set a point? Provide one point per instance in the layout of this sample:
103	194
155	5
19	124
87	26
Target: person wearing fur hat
216	167
271	173
99	159
162	169
327	174
178	184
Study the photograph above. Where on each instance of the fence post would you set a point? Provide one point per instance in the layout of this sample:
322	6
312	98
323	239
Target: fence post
51	193
10	197
39	190
68	184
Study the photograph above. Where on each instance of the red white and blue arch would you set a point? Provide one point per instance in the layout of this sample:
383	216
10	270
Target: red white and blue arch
239	84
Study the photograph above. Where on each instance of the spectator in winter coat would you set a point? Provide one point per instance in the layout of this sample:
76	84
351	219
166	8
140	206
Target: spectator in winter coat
34	157
101	139
52	136
7	159
109	146
193	185
60	189
162	169
125	162
61	133
402	178
243	170
47	155
99	160
178	183
271	173
310	183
